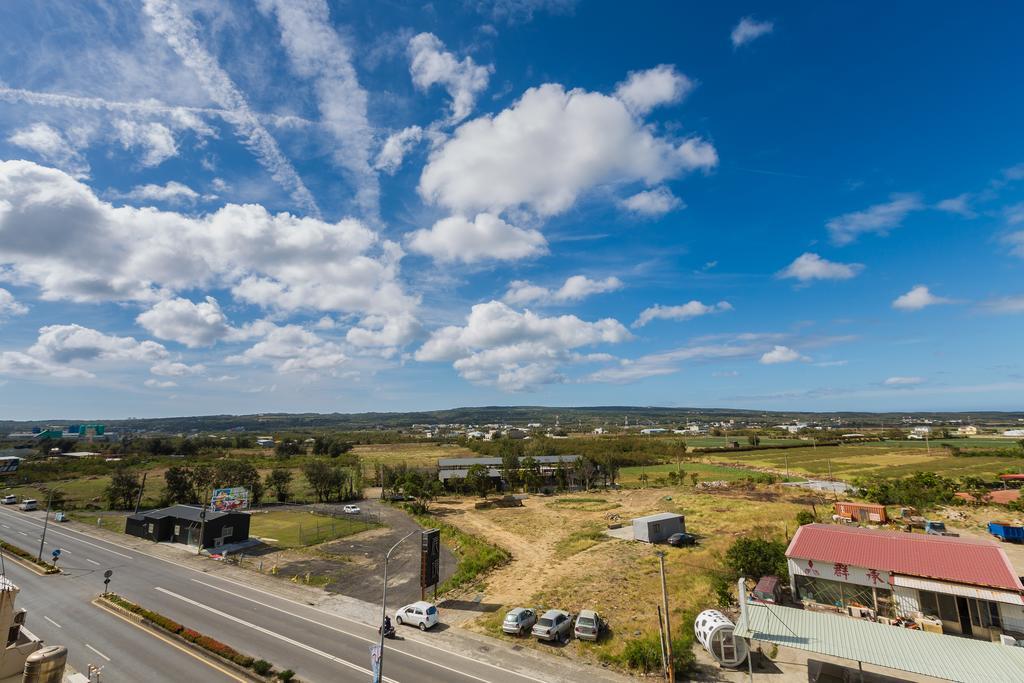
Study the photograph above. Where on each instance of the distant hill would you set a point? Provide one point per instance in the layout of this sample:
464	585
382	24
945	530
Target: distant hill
569	417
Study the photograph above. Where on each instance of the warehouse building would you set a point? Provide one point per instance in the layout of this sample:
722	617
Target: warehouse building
449	469
657	528
184	524
942	584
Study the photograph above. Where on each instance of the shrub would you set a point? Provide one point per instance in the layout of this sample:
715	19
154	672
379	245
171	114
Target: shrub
262	667
805	517
286	675
643	653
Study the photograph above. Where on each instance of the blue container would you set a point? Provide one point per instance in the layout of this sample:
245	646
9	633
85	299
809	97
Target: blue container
1006	532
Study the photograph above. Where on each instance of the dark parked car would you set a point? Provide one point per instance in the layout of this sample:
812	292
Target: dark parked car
681	539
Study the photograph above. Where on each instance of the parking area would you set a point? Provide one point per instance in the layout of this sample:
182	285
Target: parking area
353	566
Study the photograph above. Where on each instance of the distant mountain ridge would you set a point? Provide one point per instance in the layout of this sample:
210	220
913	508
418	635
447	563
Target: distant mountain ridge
568	416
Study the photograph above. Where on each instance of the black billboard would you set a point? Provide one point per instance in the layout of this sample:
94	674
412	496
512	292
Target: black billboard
430	558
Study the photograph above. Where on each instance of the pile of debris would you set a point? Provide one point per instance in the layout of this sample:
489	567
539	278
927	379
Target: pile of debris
717	485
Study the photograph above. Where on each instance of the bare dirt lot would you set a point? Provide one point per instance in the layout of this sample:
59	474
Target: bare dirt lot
562	558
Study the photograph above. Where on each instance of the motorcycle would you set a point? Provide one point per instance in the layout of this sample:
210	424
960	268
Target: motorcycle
389	630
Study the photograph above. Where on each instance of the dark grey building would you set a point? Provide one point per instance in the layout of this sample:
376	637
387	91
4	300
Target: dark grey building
657	528
183	524
457	468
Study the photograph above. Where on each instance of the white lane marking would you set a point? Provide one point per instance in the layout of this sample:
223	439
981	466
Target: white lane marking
93	561
286	639
5	526
52	621
23	533
372	641
294	602
61	533
97	652
358	623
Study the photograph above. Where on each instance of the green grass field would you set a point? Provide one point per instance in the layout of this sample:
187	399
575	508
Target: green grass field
704	471
888	459
294	529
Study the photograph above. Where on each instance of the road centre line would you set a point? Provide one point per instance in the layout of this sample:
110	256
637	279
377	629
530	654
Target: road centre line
93	561
372	641
255	627
97	652
296	602
52	621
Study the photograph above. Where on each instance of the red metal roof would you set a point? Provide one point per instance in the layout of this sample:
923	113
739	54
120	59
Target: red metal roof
1012	477
961	560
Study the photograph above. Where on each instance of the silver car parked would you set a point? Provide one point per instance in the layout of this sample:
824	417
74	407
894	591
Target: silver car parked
555	624
519	621
588	625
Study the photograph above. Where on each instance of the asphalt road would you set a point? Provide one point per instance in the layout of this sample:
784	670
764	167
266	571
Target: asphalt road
317	645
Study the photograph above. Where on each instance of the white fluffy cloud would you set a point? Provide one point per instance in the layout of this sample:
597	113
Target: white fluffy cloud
52	146
290	348
67	343
879	219
9	305
691	309
642	91
653	203
396	146
628	370
431	64
809	266
575	288
18	364
486	237
781	354
549	147
186	322
917	298
961	204
155	141
749	29
160	384
903	381
177	369
516	351
172	192
48	221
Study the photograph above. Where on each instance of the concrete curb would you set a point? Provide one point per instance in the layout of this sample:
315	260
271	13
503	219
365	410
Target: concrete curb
31	566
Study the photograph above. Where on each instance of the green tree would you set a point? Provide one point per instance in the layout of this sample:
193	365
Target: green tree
531	473
122	491
279	480
805	517
178	485
318	474
510	468
754	440
754	557
478	480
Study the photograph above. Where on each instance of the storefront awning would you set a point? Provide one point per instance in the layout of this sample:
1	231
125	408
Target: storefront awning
978	592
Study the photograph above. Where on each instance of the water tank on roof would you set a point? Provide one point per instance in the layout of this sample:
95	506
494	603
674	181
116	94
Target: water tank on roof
715	632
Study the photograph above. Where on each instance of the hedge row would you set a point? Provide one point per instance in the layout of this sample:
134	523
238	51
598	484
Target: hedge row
29	557
207	643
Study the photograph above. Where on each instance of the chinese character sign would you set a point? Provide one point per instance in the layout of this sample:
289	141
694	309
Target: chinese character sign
840	571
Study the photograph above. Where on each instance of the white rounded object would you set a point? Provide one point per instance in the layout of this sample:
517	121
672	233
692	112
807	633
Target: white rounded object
715	632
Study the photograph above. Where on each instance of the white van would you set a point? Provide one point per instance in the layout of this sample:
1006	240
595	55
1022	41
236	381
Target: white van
8	500
29	504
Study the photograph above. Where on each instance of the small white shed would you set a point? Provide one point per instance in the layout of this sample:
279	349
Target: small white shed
657	528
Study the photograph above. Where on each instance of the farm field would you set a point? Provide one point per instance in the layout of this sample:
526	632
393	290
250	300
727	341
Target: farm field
562	559
704	472
889	459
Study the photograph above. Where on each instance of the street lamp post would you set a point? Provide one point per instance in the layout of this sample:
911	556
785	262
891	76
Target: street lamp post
384	606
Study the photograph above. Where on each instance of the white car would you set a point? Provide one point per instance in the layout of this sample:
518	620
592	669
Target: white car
422	614
9	500
351	510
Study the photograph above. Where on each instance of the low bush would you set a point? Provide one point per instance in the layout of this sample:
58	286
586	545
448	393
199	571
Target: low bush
28	557
262	667
644	653
209	644
286	675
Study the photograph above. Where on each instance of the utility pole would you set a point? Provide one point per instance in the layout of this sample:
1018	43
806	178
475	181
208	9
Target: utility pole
46	521
668	627
661	633
202	528
384	607
142	488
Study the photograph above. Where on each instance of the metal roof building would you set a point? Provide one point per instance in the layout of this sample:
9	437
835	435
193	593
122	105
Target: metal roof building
912	651
456	468
962	560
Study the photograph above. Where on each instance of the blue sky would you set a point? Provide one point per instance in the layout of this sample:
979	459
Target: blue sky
235	207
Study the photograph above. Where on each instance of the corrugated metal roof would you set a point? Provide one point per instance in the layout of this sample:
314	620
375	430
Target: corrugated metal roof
469	462
659	517
958	589
919	652
961	560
